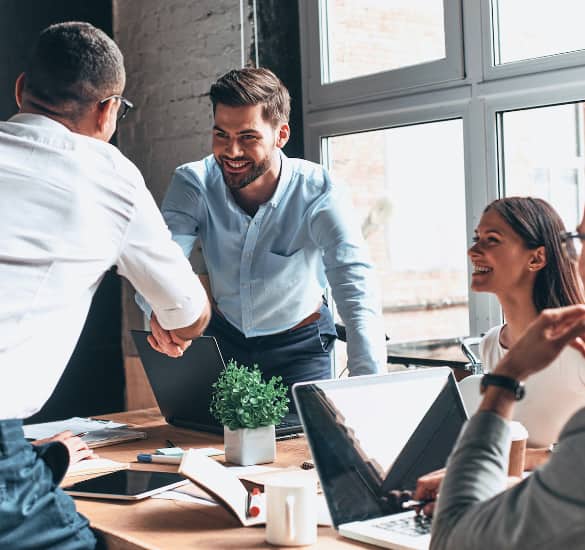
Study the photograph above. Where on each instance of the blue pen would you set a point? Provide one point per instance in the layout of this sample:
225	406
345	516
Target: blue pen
159	459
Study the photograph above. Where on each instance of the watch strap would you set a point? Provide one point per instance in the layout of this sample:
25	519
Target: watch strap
505	382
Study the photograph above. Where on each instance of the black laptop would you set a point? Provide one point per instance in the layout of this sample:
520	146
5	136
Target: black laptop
371	438
183	385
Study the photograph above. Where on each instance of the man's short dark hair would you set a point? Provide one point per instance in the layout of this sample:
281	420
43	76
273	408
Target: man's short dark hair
253	86
72	65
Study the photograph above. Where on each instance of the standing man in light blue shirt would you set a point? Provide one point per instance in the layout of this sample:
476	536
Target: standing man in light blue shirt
273	232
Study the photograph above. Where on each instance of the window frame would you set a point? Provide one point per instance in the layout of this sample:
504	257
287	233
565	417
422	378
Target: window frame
563	60
476	98
375	86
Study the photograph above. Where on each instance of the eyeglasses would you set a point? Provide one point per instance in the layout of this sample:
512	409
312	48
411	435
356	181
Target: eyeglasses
572	243
124	107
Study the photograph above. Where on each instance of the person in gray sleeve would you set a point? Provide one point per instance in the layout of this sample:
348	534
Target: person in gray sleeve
546	510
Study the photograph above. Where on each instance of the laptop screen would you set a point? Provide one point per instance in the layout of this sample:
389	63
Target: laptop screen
370	435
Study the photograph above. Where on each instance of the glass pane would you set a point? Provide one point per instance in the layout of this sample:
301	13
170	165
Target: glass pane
407	187
543	156
525	29
363	37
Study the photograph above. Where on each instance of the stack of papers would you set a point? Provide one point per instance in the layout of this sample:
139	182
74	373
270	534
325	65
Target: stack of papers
98	433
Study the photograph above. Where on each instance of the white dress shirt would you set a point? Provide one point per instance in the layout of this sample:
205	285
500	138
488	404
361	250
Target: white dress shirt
70	208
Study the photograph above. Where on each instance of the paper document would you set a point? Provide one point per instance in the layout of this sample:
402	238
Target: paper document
75	424
222	484
101	438
95	466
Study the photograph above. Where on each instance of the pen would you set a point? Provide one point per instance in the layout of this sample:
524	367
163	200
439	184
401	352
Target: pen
159	459
81	434
412	504
288	436
254	503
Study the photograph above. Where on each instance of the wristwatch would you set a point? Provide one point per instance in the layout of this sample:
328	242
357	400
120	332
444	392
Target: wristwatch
517	388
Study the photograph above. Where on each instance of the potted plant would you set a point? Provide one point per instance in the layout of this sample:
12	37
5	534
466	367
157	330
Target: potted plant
248	408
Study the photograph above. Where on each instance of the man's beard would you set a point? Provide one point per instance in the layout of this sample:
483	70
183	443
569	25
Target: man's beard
239	181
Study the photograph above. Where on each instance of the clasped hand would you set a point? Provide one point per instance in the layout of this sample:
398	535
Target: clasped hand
166	341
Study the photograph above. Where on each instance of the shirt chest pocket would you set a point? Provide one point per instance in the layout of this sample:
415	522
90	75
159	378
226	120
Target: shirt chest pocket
284	271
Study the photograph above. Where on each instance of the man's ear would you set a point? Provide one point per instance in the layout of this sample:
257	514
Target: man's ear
283	135
537	259
18	89
105	119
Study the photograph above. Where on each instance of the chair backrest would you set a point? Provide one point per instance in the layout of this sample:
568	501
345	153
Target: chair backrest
469	389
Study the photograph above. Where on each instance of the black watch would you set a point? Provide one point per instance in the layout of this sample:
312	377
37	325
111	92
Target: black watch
517	388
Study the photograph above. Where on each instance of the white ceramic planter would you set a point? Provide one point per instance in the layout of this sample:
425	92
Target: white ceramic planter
247	446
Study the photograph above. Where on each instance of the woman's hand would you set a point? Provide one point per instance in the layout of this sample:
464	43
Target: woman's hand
78	449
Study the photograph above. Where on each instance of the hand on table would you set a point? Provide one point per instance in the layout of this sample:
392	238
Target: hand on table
166	341
78	449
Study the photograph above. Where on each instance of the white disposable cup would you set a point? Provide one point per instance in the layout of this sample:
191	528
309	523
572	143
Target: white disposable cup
291	510
517	456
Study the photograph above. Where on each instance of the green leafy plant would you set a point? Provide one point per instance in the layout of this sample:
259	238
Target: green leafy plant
241	399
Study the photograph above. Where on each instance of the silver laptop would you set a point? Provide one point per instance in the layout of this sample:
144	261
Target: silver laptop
372	437
183	385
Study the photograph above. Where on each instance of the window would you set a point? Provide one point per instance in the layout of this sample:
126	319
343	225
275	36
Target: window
350	47
446	118
543	156
525	29
385	35
407	185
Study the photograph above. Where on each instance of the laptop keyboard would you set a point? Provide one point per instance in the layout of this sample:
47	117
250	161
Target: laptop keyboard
288	423
419	525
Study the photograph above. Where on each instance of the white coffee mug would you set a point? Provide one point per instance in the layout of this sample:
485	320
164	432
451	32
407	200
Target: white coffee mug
291	510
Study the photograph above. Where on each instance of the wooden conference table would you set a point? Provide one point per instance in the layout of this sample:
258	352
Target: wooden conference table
174	525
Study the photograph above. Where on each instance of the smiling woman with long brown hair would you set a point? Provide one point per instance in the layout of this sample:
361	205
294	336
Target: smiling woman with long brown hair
519	255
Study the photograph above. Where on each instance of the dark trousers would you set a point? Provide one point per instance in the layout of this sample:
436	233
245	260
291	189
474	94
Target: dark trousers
34	512
296	355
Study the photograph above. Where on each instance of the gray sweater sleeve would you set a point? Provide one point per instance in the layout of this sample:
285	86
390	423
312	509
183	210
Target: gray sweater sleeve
546	510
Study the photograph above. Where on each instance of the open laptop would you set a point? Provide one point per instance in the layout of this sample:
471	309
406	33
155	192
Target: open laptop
371	435
183	385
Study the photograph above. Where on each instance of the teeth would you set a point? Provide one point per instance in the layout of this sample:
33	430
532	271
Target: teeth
481	269
236	164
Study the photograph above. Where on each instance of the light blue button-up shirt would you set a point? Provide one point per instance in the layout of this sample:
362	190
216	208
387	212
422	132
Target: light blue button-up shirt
268	271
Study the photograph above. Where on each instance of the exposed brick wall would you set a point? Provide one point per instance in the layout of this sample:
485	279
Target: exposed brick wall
173	50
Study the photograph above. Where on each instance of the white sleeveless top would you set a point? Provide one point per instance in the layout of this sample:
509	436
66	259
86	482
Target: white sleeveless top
553	395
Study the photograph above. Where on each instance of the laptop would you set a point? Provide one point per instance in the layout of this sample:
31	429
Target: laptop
182	386
371	435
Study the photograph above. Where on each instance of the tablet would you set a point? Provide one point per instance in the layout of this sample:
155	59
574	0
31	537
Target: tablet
126	485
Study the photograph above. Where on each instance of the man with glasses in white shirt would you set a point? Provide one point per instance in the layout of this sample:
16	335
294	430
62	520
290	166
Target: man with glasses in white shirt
71	207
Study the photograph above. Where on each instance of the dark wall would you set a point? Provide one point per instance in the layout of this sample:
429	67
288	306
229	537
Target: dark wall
279	50
93	382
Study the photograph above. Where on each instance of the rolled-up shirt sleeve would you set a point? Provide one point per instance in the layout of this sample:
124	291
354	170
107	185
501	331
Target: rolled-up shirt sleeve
353	285
157	267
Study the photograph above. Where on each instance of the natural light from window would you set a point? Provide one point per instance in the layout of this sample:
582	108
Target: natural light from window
407	186
526	29
543	152
364	37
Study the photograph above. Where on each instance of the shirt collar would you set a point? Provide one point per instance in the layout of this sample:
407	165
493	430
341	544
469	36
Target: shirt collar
283	180
42	121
